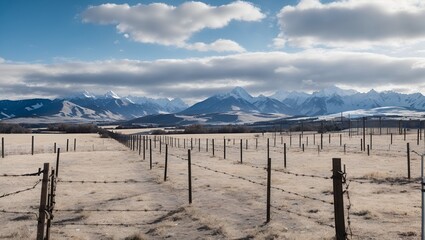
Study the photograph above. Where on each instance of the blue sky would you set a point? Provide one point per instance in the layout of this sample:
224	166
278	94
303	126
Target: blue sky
194	49
42	31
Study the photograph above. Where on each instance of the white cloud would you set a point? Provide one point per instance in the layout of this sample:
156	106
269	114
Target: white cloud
168	25
221	45
199	77
353	23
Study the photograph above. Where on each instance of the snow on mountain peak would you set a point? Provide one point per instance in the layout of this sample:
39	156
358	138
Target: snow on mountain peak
334	90
83	94
111	94
238	93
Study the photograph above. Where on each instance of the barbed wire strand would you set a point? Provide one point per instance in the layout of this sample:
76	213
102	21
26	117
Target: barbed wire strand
20	191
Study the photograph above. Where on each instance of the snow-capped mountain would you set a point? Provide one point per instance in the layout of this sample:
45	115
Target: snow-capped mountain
235	105
238	99
164	104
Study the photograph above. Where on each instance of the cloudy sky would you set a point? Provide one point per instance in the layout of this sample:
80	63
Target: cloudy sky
192	49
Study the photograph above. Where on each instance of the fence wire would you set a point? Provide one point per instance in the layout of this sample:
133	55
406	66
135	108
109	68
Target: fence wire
20	191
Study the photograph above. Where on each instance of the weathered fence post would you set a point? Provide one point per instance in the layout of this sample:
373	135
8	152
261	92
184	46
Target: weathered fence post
321	141
199	144
206	145
338	199
368	150
224	147
67	145
54	147
284	155
246	144
166	163
213	149
57	161
2	147
75	144
371	141
189	169
408	160
364	133
256	143
50	204
269	181
391	138
144	147
303	147
340	139
241	151
43	203
32	145
150	154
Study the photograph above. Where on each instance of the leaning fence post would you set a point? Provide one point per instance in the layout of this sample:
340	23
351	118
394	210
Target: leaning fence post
189	169
43	202
269	181
166	163
57	162
338	199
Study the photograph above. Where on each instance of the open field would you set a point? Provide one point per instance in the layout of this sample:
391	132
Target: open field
228	197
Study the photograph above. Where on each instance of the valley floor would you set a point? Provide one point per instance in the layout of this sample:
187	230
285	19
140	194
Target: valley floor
228	197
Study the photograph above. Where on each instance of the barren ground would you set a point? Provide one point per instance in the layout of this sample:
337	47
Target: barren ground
225	206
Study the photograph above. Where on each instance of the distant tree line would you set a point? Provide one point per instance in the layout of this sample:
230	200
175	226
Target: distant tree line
13	128
73	128
198	128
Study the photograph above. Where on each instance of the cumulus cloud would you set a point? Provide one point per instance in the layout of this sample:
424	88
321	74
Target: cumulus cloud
352	23
168	25
197	78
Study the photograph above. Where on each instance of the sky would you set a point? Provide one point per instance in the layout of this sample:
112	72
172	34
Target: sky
193	49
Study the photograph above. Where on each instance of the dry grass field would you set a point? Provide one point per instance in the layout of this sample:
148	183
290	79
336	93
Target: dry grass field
229	198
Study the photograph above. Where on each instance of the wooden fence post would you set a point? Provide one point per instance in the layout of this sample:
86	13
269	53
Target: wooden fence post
199	144
206	145
284	155
54	147
189	169
408	160
391	138
269	181
2	147
224	147
256	143
75	144
43	203
50	204
338	199
150	154
371	141
67	145
241	150
166	163
32	145
246	144
213	149
321	141
340	139
57	161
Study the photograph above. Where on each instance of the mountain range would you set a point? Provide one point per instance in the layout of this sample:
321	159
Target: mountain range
235	106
